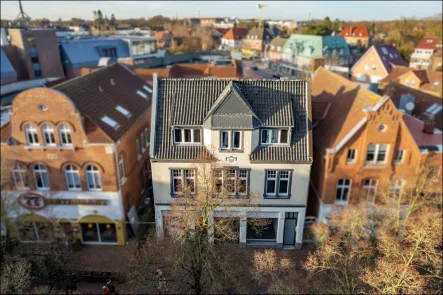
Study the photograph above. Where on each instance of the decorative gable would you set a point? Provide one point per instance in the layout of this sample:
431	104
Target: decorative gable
231	110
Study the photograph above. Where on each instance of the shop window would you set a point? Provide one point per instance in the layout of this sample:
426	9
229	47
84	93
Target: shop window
98	232
36	232
230	232
262	230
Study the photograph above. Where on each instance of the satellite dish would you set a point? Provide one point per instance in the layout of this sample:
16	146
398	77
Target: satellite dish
409	106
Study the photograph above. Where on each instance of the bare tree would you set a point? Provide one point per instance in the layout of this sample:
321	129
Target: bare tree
187	253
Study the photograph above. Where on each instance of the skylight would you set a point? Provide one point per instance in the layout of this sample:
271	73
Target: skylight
110	122
124	111
434	109
142	94
384	50
149	90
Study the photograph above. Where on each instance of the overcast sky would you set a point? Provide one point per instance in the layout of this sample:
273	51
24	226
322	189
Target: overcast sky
299	10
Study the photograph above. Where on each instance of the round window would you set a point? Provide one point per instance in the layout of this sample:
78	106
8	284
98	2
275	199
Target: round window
42	107
382	127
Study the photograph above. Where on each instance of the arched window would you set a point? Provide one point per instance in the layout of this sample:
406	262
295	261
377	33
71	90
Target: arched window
121	168
31	135
93	178
65	135
41	177
20	178
48	135
72	178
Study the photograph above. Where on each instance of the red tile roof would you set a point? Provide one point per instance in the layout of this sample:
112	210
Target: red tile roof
236	34
355	31
429	43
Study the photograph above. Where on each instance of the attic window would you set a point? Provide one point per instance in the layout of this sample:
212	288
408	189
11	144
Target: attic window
429	41
434	109
124	111
110	122
435	84
142	94
149	90
384	50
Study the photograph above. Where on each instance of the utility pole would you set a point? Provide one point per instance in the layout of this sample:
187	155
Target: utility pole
261	6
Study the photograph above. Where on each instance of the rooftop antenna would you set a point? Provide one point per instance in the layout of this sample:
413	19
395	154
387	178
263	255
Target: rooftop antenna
22	18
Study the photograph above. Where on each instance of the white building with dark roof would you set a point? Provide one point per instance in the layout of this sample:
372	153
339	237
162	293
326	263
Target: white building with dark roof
259	133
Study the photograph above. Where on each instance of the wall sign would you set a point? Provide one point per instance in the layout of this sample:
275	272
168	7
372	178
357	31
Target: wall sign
231	159
33	201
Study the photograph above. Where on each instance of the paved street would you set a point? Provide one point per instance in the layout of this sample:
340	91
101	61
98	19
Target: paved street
263	71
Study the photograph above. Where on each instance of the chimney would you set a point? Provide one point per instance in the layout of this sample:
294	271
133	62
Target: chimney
429	127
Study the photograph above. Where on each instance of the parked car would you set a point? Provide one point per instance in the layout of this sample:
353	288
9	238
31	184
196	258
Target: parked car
255	68
276	76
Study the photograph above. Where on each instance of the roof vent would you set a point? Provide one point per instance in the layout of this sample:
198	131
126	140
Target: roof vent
100	89
112	82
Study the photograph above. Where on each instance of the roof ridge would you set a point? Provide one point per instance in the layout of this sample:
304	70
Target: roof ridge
80	77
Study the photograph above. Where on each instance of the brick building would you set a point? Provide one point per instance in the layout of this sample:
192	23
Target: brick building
34	53
363	145
256	40
78	155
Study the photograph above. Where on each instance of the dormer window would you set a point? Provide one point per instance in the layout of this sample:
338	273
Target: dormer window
230	140
274	136
187	135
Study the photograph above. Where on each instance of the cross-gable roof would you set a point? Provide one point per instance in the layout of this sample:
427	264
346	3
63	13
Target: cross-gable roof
275	103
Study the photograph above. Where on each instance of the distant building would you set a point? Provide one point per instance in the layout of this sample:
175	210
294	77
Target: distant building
275	51
97	52
34	53
256	40
193	71
422	57
7	74
305	53
288	24
357	36
378	61
424	80
232	39
79	158
437	61
164	39
363	146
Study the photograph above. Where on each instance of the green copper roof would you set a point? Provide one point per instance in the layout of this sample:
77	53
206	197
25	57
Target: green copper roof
316	46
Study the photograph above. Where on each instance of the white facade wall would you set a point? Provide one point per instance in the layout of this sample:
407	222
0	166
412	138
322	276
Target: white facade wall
231	44
269	208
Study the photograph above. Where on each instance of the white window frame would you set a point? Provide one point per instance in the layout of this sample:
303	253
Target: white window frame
70	175
65	133
183	142
400	153
241	176
397	186
278	178
93	172
376	153
41	169
121	168
343	186
222	147
239	140
48	135
371	188
353	153
238	175
31	132
278	137
189	174
20	172
178	175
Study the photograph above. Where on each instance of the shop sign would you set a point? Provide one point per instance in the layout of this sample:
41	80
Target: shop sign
33	201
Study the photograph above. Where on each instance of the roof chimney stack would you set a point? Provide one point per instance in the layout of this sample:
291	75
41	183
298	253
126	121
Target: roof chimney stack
429	125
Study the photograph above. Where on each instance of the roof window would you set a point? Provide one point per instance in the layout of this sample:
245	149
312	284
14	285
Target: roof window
110	122
149	90
434	109
142	94
384	50
429	41
124	111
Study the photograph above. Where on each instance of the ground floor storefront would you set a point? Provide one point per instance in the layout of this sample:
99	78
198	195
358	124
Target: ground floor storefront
282	226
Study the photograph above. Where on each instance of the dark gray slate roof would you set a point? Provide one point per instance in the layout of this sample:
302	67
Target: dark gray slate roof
271	103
